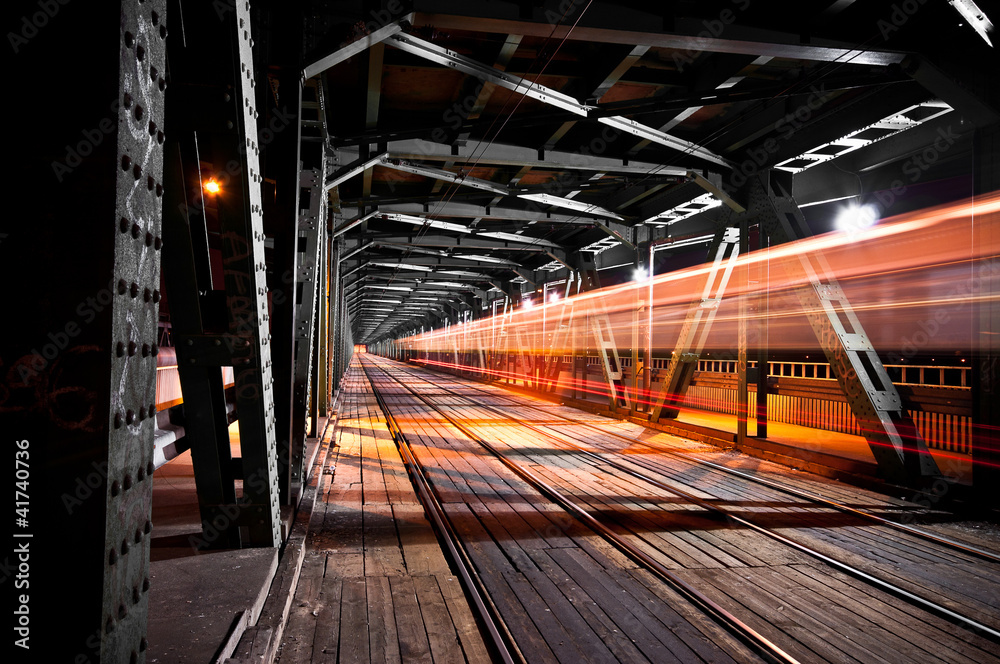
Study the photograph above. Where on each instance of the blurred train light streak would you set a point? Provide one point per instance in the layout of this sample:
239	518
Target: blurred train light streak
901	276
915	282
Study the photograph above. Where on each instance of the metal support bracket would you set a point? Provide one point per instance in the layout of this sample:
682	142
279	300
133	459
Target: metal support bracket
604	338
894	440
725	249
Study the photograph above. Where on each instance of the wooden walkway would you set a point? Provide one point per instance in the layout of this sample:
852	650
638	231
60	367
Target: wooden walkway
376	587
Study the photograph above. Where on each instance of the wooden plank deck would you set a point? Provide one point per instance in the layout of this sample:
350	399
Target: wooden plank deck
374	586
569	595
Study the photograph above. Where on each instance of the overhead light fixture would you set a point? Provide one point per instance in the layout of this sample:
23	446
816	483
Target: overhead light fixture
690	208
856	218
976	17
212	186
908	118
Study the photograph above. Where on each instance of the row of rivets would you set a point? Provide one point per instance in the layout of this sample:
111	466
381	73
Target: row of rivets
147	349
136	232
130	415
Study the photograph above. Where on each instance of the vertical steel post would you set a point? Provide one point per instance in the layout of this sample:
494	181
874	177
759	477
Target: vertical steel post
81	305
336	331
763	366
243	268
742	391
322	368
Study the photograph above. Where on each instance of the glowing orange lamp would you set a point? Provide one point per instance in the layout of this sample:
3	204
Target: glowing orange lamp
212	186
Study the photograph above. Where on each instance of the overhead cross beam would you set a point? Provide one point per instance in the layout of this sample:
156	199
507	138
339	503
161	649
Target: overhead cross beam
472	211
686	35
445	255
498	189
465	230
359	165
348	51
504	154
448	58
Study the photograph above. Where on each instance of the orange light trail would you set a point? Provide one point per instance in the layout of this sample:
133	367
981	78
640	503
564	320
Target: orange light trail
922	270
690	405
915	282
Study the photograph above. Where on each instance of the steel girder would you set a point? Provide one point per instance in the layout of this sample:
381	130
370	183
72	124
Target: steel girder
311	227
356	47
504	154
81	309
134	318
216	73
448	58
687	35
604	338
892	436
694	331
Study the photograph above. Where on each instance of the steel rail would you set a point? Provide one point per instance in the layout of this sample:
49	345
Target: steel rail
887	586
500	639
750	637
798	493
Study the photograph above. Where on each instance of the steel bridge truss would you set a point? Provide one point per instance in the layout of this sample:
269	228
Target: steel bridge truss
896	444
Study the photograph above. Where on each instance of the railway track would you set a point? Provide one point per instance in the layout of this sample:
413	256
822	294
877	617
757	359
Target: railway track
764	646
891	588
983	554
685	456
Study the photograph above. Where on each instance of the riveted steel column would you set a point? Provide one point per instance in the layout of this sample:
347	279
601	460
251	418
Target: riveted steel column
336	327
127	524
317	384
81	298
312	220
213	66
742	389
244	270
322	368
